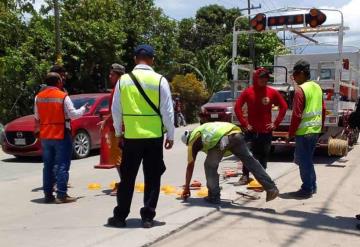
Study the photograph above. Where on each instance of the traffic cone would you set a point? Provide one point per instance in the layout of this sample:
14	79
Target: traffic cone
110	153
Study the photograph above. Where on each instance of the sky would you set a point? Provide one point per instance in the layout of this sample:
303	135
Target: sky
179	9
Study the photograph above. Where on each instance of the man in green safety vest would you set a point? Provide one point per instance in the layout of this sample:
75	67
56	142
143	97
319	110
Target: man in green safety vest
306	124
142	102
216	139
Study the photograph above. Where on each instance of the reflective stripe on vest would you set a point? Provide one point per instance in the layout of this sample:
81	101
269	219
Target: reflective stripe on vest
212	132
311	120
140	120
50	107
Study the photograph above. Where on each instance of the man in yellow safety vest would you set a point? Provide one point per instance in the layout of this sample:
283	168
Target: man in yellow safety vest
306	124
216	139
142	101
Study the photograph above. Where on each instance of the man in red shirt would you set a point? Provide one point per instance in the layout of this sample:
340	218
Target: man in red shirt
258	125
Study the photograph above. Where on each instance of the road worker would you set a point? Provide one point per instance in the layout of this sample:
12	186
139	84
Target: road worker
216	139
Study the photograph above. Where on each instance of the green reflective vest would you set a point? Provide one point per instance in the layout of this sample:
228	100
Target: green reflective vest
212	132
140	120
311	120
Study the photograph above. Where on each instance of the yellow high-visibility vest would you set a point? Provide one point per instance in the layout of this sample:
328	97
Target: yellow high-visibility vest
311	121
140	120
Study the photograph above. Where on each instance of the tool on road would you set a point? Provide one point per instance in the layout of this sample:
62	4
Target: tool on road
250	195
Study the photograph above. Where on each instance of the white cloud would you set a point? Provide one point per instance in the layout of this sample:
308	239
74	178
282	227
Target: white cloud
351	20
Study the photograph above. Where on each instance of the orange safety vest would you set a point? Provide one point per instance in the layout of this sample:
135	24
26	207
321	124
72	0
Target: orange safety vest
50	106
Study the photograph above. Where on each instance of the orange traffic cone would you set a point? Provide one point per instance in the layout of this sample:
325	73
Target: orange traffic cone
110	153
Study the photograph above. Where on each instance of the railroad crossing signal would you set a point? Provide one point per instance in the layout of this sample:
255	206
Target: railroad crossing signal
314	19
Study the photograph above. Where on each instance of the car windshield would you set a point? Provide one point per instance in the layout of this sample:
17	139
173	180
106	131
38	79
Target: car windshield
79	102
221	96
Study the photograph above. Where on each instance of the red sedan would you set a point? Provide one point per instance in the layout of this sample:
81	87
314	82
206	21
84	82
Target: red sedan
19	138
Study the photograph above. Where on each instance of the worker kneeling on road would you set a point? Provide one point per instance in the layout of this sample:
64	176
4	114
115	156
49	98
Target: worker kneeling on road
216	139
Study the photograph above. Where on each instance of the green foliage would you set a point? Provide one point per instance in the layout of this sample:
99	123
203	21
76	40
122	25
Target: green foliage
192	94
212	70
97	33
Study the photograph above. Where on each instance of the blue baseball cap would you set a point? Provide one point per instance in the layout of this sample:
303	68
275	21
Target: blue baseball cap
145	50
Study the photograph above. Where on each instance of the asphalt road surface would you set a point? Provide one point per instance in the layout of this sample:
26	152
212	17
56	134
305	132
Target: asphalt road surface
26	221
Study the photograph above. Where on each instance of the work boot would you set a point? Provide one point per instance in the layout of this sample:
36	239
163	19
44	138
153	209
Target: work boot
115	222
272	194
357	216
212	200
49	199
244	180
147	223
65	199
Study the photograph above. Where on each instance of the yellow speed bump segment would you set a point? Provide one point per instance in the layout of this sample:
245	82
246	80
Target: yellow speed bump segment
94	186
254	184
203	192
139	187
168	189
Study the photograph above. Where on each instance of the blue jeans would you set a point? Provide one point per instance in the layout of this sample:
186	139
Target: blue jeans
57	158
304	152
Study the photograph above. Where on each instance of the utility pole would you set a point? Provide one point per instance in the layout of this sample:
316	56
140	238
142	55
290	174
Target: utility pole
57	33
251	38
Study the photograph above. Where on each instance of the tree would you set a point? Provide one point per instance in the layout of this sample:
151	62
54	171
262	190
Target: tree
192	94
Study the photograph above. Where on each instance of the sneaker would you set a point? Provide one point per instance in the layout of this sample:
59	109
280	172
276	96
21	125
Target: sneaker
114	222
244	180
65	199
300	194
212	200
49	199
357	216
272	194
147	223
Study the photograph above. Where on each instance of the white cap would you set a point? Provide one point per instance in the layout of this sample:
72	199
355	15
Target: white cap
185	137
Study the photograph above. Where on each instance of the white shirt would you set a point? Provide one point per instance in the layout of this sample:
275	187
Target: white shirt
69	111
166	106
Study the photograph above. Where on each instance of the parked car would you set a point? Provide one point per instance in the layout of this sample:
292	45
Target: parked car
219	108
20	140
1	133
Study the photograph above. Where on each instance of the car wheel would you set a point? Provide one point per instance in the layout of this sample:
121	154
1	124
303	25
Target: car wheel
81	147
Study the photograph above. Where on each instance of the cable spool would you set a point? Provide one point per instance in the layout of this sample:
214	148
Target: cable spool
337	147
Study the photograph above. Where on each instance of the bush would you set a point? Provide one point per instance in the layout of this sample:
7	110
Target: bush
192	94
